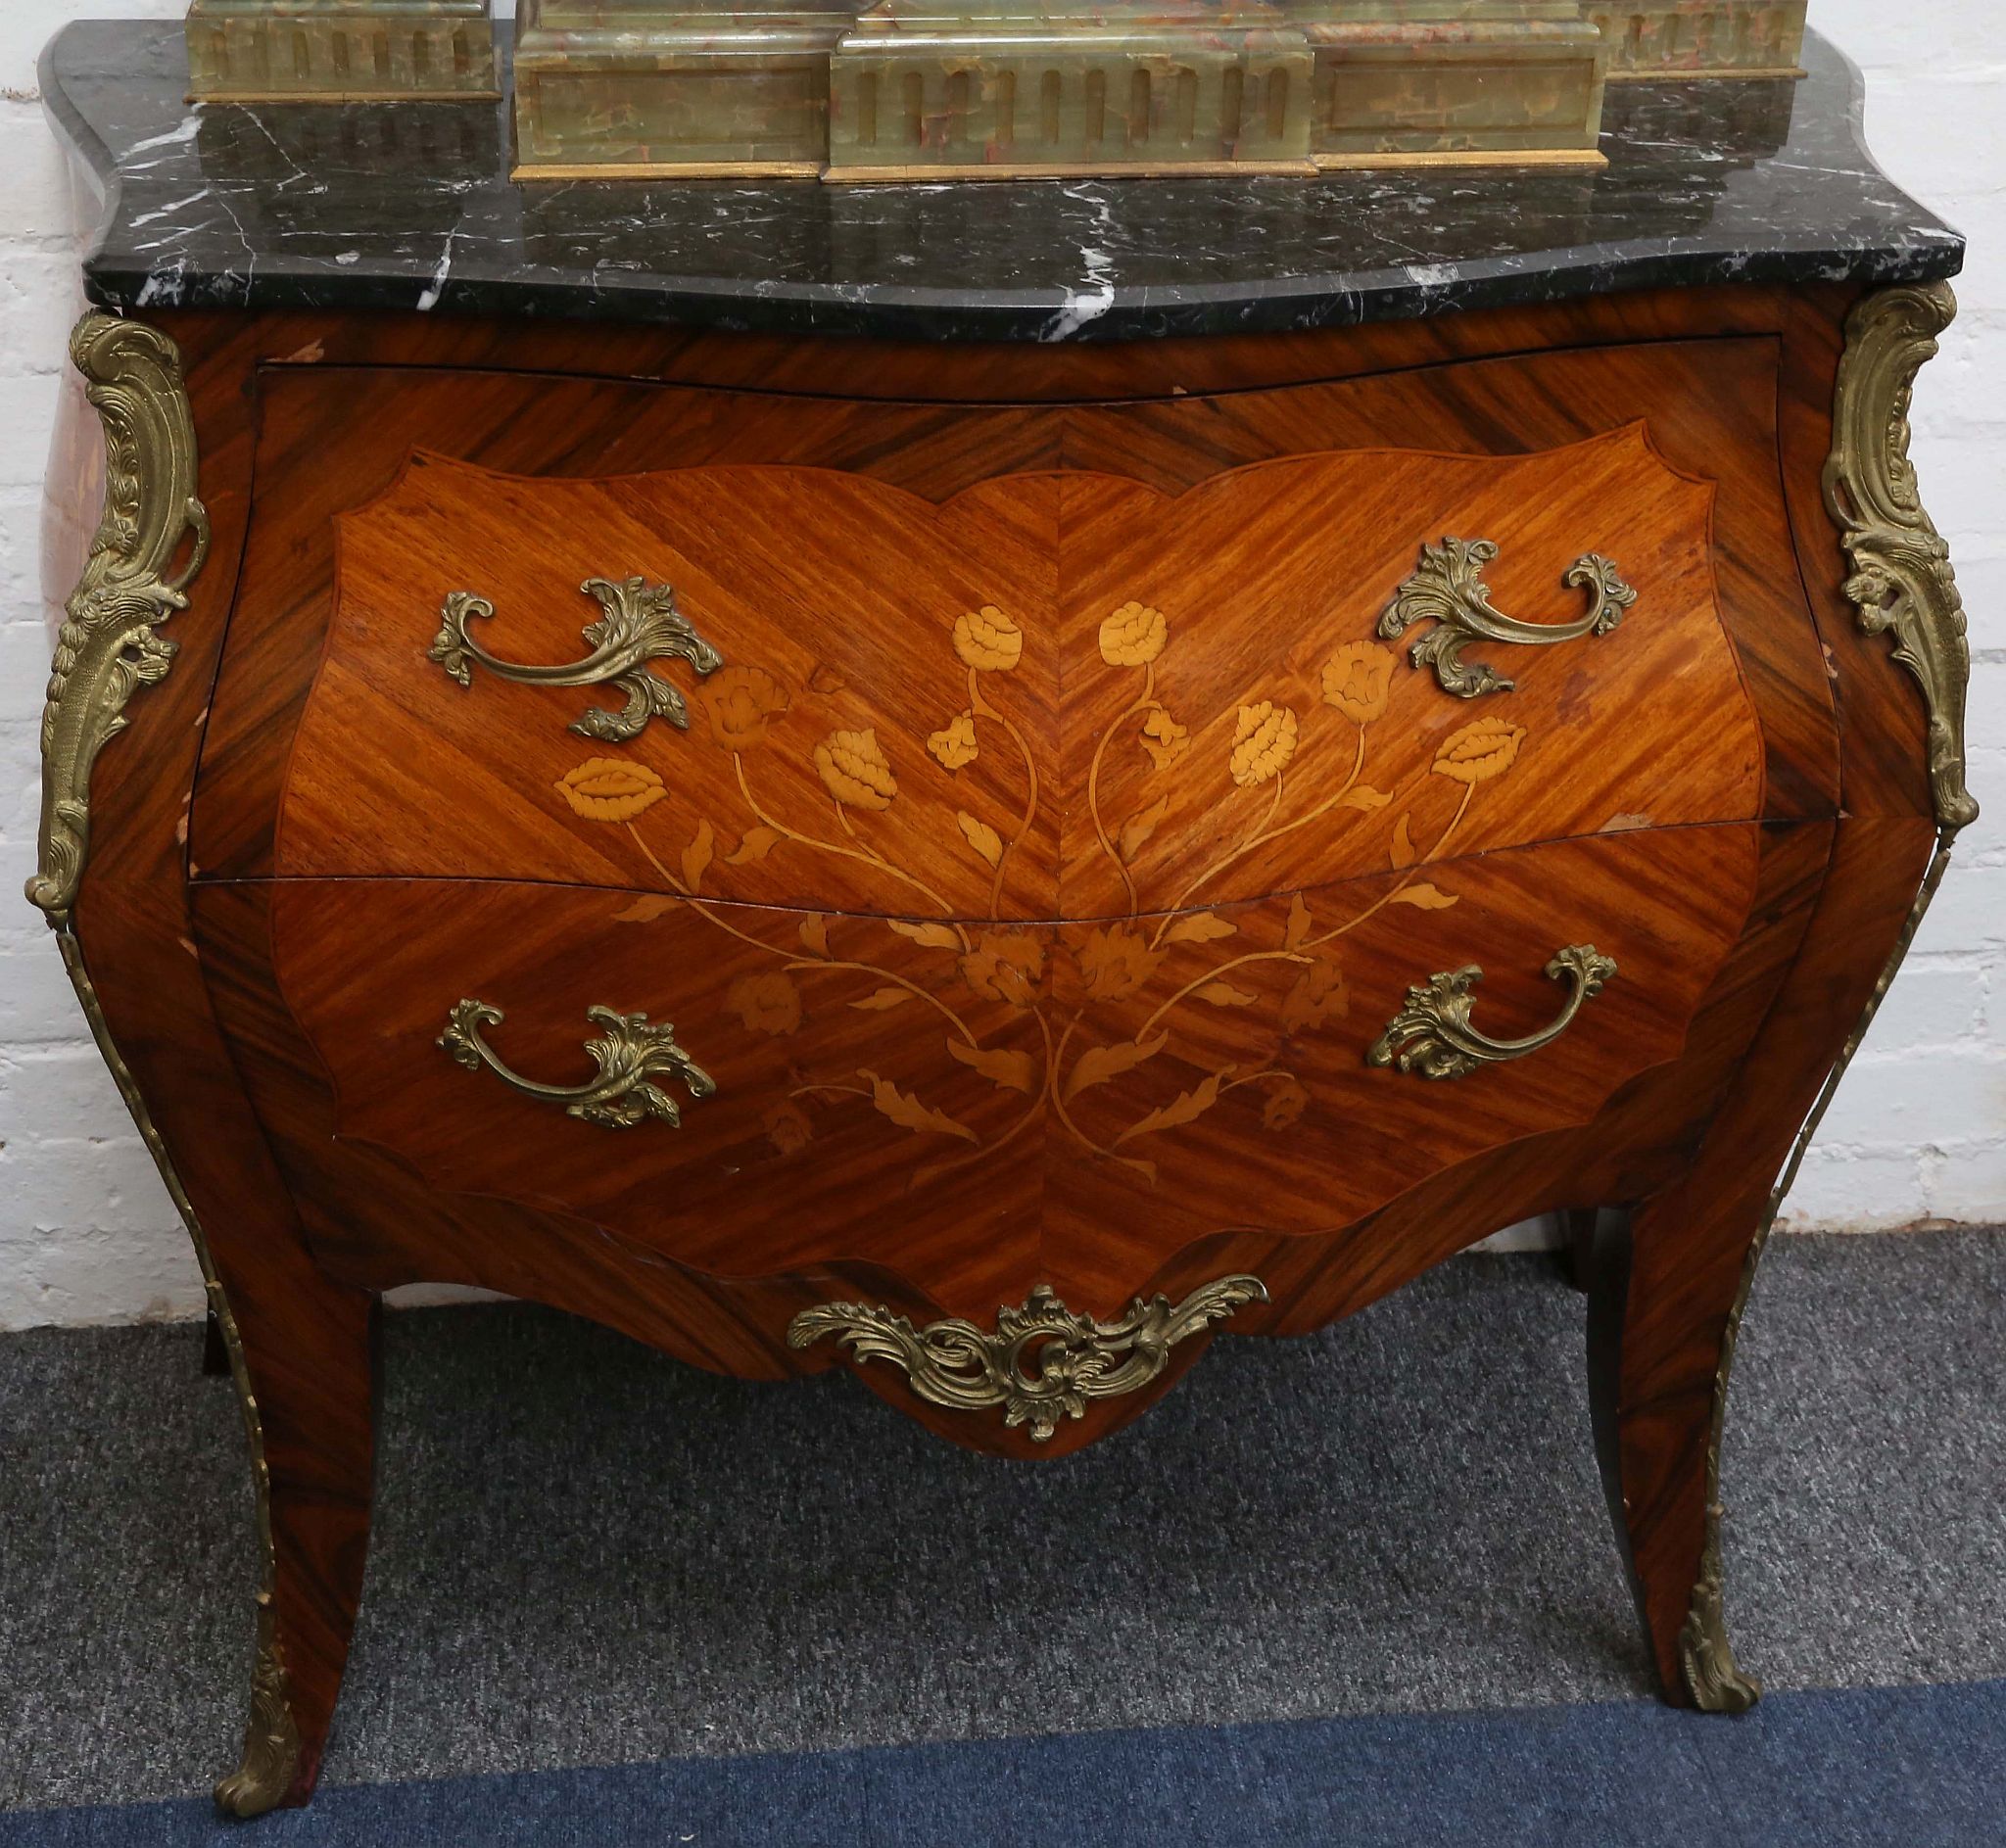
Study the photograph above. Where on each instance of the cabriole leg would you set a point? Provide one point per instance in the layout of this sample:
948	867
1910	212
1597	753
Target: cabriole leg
1667	1300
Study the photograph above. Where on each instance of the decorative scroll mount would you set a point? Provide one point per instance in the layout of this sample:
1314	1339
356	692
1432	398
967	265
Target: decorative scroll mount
1902	582
1432	1036
107	650
1043	1362
628	1054
1707	1659
1449	590
638	623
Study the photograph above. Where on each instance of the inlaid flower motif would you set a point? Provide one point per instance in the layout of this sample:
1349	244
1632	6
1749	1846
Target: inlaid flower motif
854	770
1116	963
767	1003
988	640
1164	738
1479	751
740	702
1263	741
1133	635
1005	966
955	743
1356	680
1286	1103
608	790
1317	993
788	1126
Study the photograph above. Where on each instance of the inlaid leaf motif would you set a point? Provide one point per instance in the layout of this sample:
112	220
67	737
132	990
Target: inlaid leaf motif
932	937
1138	828
1317	993
1299	922
906	1110
1101	1062
646	910
1204	926
815	935
881	1000
980	835
1362	796
1402	851
697	857
1013	1070
757	844
954	744
1222	994
1164	738
1186	1108
1424	897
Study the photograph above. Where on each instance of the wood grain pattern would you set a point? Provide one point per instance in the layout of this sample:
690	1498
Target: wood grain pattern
282	1028
1708	407
1692	1238
974	1112
1069	695
305	1335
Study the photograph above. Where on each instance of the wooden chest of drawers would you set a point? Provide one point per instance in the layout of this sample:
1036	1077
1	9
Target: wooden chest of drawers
988	866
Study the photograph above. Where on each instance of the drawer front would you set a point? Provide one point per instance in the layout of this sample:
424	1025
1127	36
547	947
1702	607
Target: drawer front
984	1107
1053	696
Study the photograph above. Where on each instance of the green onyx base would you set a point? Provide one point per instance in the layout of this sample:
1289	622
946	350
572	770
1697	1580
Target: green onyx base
340	51
999	90
1702	38
988	89
1443	81
608	89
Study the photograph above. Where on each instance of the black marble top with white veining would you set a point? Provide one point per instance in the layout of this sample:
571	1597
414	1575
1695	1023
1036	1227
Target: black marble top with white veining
410	206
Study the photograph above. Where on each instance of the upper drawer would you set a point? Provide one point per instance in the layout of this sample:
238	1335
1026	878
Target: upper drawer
1053	696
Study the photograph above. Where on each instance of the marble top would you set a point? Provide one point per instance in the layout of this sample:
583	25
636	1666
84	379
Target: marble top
410	206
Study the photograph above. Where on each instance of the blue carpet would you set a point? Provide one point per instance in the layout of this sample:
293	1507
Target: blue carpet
1919	1766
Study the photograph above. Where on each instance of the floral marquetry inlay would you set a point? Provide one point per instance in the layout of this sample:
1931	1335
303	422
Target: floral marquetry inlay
1086	1009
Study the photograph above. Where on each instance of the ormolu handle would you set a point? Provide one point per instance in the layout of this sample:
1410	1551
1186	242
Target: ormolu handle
1432	1035
628	1055
638	623
1449	590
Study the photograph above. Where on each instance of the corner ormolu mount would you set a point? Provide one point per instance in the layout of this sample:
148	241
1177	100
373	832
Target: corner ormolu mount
105	651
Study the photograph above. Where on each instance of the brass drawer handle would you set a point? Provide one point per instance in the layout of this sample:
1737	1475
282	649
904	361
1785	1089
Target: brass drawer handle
1432	1035
629	1054
1043	1362
638	623
1449	590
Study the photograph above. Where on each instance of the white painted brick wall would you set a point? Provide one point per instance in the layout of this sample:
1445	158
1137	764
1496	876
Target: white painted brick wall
1919	1134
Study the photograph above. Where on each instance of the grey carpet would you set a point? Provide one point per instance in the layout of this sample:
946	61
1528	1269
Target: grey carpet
586	1555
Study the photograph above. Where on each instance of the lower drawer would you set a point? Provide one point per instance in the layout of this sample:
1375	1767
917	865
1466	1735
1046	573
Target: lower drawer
1066	1103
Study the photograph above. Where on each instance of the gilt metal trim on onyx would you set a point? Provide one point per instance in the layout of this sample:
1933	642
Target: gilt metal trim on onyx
1448	588
630	1053
1043	1363
638	623
105	651
1432	1036
1902	583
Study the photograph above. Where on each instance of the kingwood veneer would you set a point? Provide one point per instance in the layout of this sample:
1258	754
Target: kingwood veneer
1044	858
